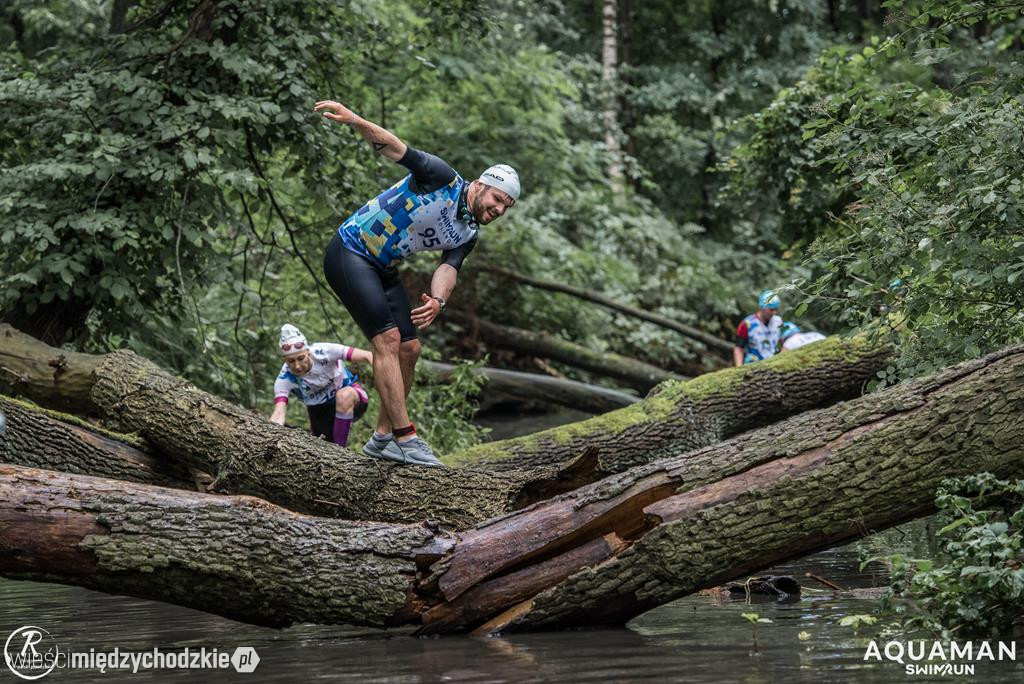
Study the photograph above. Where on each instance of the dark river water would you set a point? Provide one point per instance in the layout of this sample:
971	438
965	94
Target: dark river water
702	638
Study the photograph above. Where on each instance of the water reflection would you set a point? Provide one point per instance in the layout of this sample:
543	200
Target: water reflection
700	638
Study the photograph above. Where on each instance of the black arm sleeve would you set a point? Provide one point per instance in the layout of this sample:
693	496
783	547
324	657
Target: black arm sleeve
455	256
428	172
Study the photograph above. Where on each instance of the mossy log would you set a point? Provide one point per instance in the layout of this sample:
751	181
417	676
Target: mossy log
236	556
680	416
40	438
811	482
636	374
247	454
599	555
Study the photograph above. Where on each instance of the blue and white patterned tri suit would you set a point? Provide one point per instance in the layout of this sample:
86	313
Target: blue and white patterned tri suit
425	210
404	220
762	340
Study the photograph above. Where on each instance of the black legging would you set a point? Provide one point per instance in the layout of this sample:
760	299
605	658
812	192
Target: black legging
372	294
321	417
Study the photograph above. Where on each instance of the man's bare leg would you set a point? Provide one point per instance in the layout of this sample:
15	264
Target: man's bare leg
388	379
408	355
394	363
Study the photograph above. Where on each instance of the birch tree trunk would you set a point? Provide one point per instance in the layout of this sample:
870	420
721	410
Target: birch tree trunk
609	82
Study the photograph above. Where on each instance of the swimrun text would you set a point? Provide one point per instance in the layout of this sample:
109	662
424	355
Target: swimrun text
958	656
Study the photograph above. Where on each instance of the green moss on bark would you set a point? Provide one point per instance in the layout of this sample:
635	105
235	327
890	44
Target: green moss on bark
688	402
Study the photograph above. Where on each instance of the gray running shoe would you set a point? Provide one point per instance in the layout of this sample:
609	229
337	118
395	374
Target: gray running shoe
379	449
415	452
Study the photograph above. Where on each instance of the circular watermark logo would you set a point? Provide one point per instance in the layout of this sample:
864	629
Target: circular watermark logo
30	652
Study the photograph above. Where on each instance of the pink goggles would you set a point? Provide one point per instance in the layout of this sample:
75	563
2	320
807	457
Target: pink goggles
288	346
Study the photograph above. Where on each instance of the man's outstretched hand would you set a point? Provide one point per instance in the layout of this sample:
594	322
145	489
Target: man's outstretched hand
422	316
335	111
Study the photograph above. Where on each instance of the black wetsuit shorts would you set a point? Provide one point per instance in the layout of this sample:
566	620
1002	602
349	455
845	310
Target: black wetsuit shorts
374	295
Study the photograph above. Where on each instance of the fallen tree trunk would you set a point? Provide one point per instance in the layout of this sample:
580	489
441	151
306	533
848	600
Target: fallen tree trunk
636	374
537	387
805	484
681	416
249	455
715	343
600	555
40	439
235	556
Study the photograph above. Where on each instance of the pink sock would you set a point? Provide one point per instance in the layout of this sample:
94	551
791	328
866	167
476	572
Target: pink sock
342	423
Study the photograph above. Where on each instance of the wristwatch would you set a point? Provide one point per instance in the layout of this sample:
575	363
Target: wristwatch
441	301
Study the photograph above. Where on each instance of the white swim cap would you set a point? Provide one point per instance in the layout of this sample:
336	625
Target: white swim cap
292	341
503	177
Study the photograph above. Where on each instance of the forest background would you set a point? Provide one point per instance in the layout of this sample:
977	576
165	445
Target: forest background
165	185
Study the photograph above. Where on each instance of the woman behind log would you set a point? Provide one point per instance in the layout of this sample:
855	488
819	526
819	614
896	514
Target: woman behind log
318	376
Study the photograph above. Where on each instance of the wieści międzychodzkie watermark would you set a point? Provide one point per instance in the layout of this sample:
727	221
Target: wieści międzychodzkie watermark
31	653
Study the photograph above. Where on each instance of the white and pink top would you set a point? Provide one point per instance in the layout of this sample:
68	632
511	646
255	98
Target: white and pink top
324	379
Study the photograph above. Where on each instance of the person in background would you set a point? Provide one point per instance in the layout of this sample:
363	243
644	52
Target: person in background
317	374
757	336
792	338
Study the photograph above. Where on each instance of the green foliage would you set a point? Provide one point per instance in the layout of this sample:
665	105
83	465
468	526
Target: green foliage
979	589
184	188
630	251
449	408
690	69
164	178
125	155
911	145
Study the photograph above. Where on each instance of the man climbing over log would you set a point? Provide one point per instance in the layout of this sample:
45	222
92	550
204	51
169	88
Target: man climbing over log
432	208
757	336
318	375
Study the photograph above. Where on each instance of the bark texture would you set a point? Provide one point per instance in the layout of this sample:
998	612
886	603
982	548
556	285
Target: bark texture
247	454
609	81
814	481
40	439
681	416
52	377
236	556
599	555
